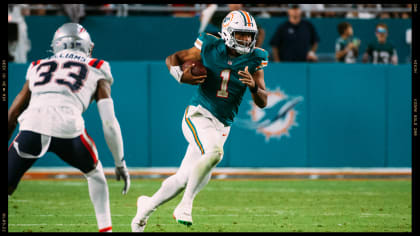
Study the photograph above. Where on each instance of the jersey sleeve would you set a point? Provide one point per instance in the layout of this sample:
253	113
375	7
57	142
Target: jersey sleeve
314	34
106	70
262	58
31	66
204	39
28	71
338	45
103	67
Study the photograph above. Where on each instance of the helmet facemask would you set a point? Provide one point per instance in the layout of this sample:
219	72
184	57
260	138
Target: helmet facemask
72	43
242	46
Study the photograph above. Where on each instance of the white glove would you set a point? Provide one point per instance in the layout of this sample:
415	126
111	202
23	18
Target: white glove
122	172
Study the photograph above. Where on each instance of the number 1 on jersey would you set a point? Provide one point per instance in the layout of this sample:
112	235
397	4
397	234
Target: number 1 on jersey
223	91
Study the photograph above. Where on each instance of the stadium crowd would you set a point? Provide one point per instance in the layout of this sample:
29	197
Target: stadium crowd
287	38
365	11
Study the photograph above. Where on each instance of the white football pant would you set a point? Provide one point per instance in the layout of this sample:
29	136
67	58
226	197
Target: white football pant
206	136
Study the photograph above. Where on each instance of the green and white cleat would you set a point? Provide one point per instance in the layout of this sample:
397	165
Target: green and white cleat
182	215
140	220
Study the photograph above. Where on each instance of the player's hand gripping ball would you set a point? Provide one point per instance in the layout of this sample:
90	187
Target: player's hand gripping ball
198	69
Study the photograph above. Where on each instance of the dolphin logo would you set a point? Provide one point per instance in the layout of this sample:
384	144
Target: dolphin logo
276	119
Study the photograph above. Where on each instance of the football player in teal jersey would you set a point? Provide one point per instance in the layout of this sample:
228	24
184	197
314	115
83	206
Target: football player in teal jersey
233	63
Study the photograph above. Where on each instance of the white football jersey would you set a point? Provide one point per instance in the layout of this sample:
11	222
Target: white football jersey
62	87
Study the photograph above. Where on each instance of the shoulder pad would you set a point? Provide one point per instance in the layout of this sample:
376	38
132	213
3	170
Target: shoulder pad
104	67
30	67
97	63
35	63
212	36
262	57
204	39
261	53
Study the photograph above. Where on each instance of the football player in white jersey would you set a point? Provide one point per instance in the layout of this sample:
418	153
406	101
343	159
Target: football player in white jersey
49	111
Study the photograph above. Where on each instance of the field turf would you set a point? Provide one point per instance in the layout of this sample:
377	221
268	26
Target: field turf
223	206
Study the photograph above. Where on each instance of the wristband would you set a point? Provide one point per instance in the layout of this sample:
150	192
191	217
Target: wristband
176	72
254	89
120	163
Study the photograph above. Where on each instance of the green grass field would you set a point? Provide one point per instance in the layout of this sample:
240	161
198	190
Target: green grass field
223	206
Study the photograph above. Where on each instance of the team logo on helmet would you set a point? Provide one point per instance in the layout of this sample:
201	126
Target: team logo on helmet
227	20
276	119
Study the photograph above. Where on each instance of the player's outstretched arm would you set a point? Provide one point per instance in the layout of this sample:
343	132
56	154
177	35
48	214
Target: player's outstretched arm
174	62
256	85
112	131
19	104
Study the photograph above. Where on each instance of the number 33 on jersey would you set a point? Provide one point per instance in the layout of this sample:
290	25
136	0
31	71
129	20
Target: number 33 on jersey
70	74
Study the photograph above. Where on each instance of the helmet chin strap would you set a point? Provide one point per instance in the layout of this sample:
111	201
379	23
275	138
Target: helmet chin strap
241	52
235	49
241	49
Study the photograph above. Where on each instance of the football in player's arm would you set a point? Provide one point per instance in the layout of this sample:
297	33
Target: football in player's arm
255	82
233	64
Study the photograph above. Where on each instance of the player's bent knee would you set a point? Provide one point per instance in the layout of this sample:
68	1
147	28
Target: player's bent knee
96	178
97	172
215	154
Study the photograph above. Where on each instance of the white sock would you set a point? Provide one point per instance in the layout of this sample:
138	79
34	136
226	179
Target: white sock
174	184
99	195
170	187
200	175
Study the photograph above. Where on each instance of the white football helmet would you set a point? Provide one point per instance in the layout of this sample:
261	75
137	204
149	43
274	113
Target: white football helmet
239	21
72	36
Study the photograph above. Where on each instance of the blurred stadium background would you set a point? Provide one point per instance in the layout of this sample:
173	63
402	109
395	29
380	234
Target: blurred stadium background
353	122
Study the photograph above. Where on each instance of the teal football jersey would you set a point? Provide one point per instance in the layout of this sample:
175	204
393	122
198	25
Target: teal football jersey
381	52
222	91
341	44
